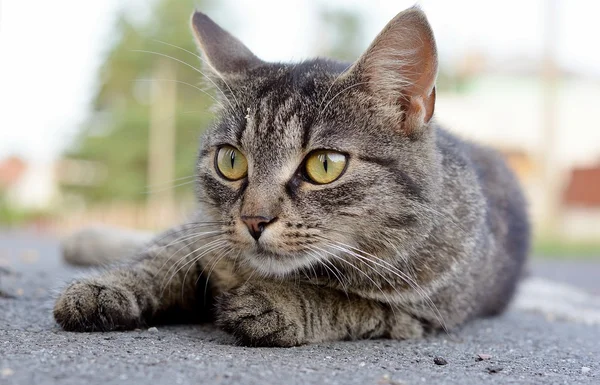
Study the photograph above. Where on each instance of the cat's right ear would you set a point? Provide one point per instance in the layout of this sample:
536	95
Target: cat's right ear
399	70
224	53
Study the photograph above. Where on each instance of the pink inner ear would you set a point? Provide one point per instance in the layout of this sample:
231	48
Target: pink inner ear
430	105
401	64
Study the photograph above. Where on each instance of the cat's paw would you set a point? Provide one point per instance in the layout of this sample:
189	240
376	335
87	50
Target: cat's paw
86	306
257	318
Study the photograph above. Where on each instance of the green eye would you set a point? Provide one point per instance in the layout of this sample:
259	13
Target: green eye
325	166
231	164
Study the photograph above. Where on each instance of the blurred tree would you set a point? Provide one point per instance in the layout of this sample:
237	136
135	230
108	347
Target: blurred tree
116	133
342	34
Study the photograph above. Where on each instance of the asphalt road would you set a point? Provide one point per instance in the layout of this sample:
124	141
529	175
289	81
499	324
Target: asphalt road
525	347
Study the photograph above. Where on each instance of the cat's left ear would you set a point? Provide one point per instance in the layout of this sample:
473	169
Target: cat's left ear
224	52
400	68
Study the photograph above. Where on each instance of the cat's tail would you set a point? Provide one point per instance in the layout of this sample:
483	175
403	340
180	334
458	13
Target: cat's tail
101	245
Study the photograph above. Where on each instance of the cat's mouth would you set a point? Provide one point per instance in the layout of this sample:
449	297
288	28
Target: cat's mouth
274	262
267	251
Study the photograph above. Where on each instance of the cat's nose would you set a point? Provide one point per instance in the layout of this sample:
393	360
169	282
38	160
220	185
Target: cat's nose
256	224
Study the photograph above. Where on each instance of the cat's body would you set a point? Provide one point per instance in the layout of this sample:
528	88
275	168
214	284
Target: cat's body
417	231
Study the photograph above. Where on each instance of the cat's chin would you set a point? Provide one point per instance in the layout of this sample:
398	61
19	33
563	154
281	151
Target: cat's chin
279	265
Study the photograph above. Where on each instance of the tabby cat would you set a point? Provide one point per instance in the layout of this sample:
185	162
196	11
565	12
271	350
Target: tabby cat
331	207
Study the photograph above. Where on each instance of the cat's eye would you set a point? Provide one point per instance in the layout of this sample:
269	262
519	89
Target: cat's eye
231	163
325	166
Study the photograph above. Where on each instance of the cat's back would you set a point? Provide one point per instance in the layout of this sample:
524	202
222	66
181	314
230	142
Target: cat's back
504	207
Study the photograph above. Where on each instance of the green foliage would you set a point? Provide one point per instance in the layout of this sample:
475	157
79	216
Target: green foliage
11	216
557	248
343	34
116	132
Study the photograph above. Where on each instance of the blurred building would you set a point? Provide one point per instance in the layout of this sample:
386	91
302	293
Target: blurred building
503	104
580	216
28	186
11	170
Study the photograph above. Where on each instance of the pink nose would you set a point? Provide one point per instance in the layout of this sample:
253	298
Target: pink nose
256	224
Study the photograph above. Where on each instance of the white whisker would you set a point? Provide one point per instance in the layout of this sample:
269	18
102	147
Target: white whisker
398	273
338	94
211	246
211	67
187	84
188	65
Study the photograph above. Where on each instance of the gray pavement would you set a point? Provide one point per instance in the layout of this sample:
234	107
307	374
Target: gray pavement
526	348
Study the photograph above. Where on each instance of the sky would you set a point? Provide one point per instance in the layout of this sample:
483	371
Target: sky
50	50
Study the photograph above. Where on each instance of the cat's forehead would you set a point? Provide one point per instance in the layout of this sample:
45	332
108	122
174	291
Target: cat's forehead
284	105
276	120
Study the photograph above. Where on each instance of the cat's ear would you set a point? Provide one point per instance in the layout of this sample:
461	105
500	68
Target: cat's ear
224	53
400	68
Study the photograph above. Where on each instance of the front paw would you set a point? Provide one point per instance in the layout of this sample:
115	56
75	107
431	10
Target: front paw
257	317
87	306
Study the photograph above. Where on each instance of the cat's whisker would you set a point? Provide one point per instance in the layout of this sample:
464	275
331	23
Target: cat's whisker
187	255
331	87
377	285
195	224
225	250
154	191
338	94
214	264
252	272
209	247
398	273
172	181
325	263
390	284
186	227
184	83
337	257
188	65
186	237
192	236
211	67
344	248
387	240
182	260
208	278
312	267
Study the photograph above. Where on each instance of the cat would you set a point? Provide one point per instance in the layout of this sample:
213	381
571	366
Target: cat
331	207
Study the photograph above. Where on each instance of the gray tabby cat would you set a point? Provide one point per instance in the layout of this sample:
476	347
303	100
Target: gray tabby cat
332	207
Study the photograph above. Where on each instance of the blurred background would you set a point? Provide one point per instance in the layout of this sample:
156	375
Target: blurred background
101	103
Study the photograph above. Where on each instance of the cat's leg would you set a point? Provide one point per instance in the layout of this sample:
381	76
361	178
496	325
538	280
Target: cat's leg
163	280
289	314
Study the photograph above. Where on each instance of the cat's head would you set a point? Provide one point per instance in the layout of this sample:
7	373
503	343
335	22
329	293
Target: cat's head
315	161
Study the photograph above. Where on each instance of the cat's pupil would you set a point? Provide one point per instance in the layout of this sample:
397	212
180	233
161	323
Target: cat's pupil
324	160
232	158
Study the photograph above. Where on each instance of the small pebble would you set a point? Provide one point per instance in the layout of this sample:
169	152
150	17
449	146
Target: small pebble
483	357
494	369
585	369
440	361
153	330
